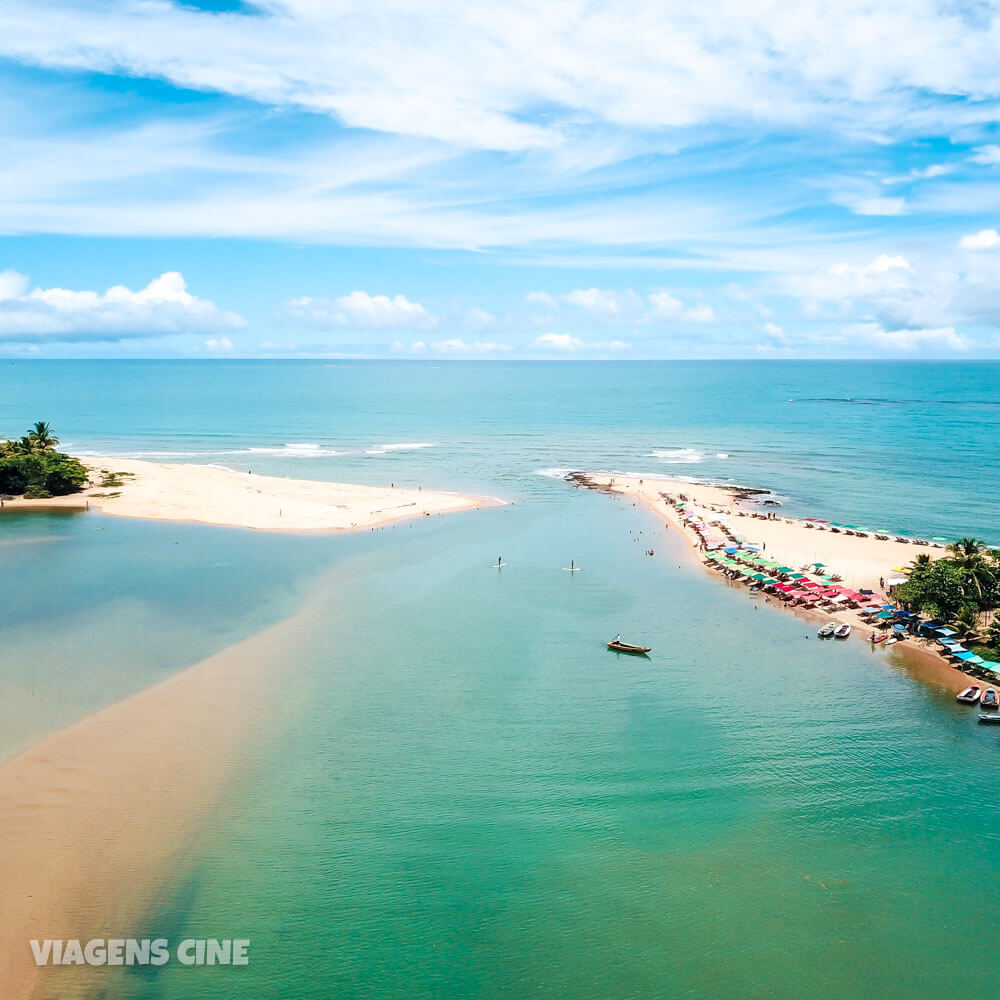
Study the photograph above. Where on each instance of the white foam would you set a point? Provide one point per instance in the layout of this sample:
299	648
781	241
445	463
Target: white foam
384	449
677	456
722	454
291	450
145	454
553	473
304	449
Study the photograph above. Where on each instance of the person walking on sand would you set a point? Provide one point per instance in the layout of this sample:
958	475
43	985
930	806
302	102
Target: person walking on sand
881	583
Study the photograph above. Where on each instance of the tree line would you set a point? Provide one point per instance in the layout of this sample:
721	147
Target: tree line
962	588
31	467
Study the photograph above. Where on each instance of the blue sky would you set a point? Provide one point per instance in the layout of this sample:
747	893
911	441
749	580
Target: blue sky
450	179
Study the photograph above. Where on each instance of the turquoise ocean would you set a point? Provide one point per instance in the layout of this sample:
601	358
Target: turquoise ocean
459	792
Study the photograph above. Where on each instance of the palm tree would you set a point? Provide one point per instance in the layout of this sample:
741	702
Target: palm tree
967	547
41	439
967	620
922	560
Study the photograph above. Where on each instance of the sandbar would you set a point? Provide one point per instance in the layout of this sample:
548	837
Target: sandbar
863	563
205	494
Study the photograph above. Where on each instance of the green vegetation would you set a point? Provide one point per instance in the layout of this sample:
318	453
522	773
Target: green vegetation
112	479
32	467
962	589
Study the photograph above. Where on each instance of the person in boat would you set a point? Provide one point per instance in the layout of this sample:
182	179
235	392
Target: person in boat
618	638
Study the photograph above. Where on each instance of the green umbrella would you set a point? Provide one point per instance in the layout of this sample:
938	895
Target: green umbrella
797	576
784	569
818	565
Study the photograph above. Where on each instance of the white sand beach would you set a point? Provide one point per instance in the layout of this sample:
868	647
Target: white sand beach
207	495
862	562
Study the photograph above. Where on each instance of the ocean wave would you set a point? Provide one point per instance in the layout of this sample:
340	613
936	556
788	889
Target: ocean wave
677	456
553	473
291	450
303	449
384	449
144	454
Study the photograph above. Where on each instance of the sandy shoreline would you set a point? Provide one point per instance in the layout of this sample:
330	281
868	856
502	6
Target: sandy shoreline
861	562
199	493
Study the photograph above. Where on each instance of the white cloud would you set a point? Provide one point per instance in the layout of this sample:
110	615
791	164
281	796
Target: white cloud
557	342
911	341
359	309
940	292
601	302
219	345
700	314
457	346
13	285
665	306
565	343
985	239
987	155
541	298
465	74
477	318
879	206
919	174
164	306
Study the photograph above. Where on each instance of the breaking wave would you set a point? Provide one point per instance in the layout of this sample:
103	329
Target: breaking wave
677	456
384	449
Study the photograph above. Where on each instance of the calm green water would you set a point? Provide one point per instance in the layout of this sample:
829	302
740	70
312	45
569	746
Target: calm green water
463	794
458	791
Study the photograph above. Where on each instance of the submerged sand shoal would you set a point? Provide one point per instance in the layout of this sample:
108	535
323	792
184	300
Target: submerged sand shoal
208	495
96	818
863	563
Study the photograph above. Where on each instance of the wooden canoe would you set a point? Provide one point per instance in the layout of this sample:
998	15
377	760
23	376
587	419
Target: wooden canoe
626	647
